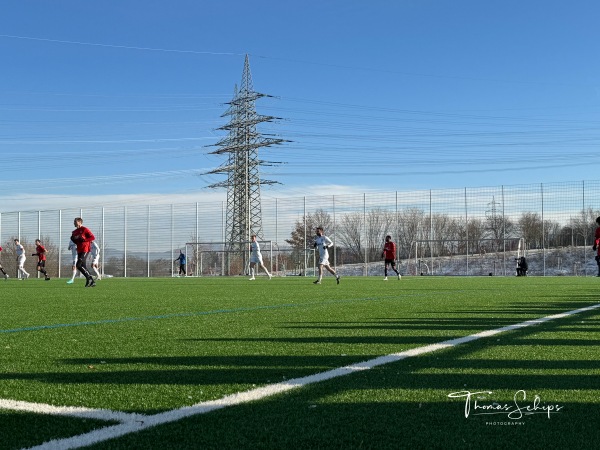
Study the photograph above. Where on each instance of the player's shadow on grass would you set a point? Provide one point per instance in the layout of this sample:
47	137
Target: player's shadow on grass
463	324
537	309
242	370
528	363
312	418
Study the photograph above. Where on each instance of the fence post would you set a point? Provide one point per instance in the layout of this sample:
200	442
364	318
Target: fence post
431	232
172	244
397	234
225	255
334	234
467	231
39	236
586	227
543	231
197	237
503	235
276	239
59	242
366	266
148	243
103	245
305	241
125	241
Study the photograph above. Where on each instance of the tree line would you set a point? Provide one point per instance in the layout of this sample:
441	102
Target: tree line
359	236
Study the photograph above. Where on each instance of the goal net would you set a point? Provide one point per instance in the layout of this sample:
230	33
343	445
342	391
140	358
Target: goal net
223	259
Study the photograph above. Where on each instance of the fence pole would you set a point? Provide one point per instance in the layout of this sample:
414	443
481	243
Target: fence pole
397	232
305	237
586	226
148	243
197	236
125	241
467	231
172	244
37	272
225	255
334	235
430	232
276	239
543	231
503	235
59	242
103	246
366	266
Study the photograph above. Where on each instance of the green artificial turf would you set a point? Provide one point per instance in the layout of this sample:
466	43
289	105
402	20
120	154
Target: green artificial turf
153	345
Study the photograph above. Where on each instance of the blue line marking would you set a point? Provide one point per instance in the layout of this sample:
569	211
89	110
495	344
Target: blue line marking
190	314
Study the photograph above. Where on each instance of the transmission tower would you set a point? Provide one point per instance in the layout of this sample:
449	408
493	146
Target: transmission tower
243	212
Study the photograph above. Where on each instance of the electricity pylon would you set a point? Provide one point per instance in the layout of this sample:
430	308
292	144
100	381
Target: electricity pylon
243	212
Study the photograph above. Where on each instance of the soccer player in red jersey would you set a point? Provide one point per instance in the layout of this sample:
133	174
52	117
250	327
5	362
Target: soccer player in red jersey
83	237
2	268
40	252
597	244
389	254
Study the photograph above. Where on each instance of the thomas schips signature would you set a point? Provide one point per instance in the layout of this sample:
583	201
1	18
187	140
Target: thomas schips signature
515	410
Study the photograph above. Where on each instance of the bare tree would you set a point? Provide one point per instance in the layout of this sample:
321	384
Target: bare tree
583	226
411	230
551	233
306	227
495	224
476	234
379	223
350	235
445	234
530	225
471	233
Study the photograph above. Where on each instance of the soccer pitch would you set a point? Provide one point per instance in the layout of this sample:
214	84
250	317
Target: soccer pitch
190	363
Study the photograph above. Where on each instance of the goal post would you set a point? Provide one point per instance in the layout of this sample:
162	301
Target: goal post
219	259
484	256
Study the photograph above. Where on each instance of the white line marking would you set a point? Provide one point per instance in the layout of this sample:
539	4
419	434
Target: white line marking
144	422
72	411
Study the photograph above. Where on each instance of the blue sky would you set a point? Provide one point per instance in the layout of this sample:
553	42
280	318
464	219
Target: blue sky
118	101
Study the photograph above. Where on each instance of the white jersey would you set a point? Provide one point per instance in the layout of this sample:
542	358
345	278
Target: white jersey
255	255
95	252
323	242
73	248
20	254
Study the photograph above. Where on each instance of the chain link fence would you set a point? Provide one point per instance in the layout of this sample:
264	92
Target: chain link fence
470	231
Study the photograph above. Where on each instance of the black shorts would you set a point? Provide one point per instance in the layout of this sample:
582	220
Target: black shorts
391	262
41	264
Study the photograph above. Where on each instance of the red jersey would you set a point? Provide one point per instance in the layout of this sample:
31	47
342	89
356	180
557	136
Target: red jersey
82	236
389	250
597	240
41	252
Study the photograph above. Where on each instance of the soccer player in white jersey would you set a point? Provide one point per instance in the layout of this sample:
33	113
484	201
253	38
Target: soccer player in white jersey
20	250
256	258
95	254
73	248
322	242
